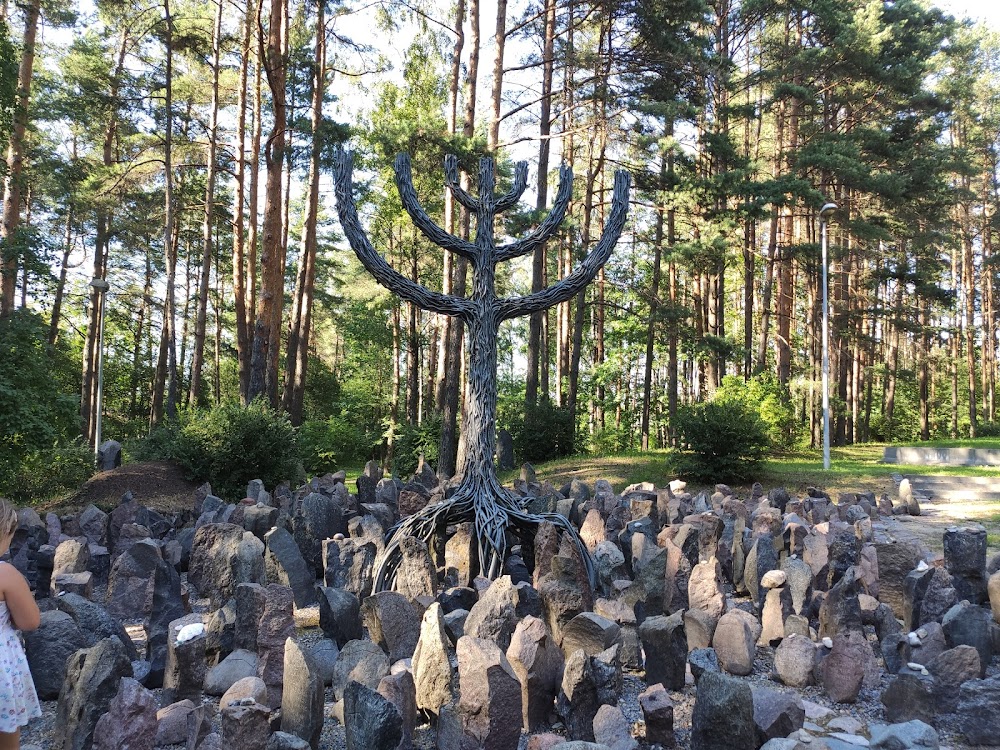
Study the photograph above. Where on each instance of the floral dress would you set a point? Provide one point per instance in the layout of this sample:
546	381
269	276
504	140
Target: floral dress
18	700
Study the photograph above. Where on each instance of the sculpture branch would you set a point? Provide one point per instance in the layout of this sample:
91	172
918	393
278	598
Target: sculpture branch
376	265
512	196
419	217
564	290
451	180
549	225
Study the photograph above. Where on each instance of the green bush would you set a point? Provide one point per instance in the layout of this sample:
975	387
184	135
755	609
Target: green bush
230	444
413	441
330	444
41	474
542	432
772	402
159	445
720	441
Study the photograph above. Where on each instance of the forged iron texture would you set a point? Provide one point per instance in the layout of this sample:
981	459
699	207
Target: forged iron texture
480	498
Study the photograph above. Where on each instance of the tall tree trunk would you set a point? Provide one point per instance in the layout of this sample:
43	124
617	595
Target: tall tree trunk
239	212
63	272
198	356
448	463
15	160
499	40
969	295
272	283
536	360
654	302
300	328
137	341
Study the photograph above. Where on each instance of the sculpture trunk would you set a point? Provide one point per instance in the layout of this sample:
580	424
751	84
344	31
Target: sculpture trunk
480	498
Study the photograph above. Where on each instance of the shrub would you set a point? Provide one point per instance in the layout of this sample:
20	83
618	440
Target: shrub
330	444
41	474
772	402
413	441
543	432
230	444
719	441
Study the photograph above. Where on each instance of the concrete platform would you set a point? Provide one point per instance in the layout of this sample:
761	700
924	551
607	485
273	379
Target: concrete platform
927	456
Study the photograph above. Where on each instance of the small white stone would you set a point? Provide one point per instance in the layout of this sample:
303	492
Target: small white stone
190	632
922	566
913	639
773	579
922	633
914	666
828	642
924	672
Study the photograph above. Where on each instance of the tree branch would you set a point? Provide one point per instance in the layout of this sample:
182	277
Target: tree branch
512	196
548	226
377	266
564	290
451	180
419	217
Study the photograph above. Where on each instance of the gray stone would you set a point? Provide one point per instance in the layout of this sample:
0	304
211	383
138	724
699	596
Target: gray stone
286	741
371	722
172	723
911	735
246	726
499	609
277	625
844	667
284	565
93	524
432	657
223	556
612	729
360	661
723	715
415	576
950	669
979	711
339	615
703	660
578	700
460	559
130	583
665	645
776	714
590	632
658	713
130	721
795	660
735	642
92	681
95	623
965	559
250	599
302	695
167	606
185	669
239	664
538	663
348	564
910	695
490	703
246	690
966	624
48	649
398	688
393	622
324	653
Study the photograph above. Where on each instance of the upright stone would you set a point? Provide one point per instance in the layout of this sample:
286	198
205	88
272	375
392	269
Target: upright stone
250	600
665	645
965	559
578	700
130	723
658	712
432	673
302	695
130	583
371	721
490	703
415	576
223	556
92	680
284	565
393	622
246	726
277	625
736	642
184	673
723	714
48	649
538	663
168	605
339	615
398	689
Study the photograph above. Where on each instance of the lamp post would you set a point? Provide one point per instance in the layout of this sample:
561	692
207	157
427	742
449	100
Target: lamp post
824	216
101	286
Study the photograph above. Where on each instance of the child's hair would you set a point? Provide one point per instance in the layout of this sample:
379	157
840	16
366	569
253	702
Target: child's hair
8	517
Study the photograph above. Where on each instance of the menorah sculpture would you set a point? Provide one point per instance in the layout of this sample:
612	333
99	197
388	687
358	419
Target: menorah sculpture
480	497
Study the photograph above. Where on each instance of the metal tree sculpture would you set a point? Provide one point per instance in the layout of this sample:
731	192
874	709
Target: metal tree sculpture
480	497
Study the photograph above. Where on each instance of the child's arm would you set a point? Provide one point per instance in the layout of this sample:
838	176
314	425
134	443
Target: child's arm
23	609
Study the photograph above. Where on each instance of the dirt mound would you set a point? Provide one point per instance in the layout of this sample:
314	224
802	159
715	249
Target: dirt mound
159	485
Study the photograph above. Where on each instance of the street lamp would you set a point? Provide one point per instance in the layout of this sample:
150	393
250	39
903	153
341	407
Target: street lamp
101	286
824	216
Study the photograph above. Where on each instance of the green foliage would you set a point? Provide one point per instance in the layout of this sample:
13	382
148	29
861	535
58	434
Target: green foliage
230	444
39	411
327	445
41	474
721	440
770	400
542	432
612	440
414	441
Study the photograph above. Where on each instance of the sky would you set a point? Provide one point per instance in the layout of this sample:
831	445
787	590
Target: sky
987	11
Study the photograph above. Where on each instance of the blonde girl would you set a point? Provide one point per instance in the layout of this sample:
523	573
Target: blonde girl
18	611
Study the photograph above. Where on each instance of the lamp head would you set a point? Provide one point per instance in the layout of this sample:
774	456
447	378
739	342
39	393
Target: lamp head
827	211
100	284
